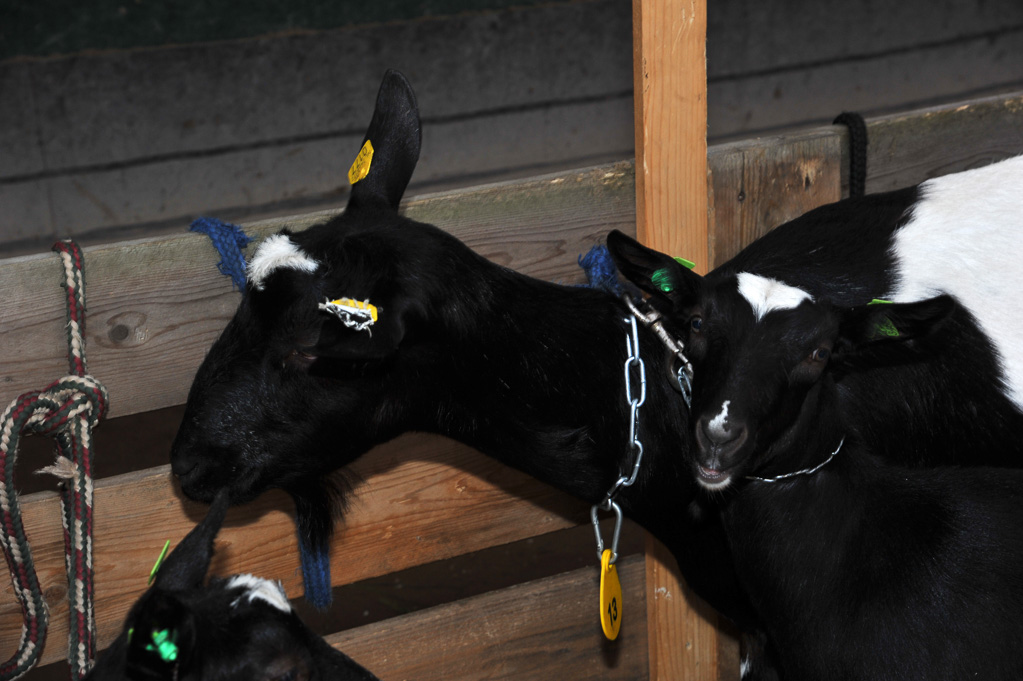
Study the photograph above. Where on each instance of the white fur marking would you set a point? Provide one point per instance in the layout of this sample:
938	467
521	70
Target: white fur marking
259	589
719	424
964	237
277	252
765	294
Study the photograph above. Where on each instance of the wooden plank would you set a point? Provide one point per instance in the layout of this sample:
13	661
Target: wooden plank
764	102
914	146
155	306
682	628
670	89
750	37
424	499
547	629
762	183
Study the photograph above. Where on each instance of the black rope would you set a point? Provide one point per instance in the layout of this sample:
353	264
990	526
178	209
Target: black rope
857	151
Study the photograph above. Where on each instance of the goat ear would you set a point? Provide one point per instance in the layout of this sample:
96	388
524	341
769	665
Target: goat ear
377	340
161	637
187	564
654	272
390	150
872	326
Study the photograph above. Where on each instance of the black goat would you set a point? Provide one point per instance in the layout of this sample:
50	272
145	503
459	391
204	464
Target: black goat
236	629
524	370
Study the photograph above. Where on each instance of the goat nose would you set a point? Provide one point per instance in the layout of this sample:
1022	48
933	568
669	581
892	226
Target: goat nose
713	434
182	465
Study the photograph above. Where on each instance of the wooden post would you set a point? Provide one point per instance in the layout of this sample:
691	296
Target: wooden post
670	81
670	84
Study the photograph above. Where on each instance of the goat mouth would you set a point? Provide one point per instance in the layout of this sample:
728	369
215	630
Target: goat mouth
712	478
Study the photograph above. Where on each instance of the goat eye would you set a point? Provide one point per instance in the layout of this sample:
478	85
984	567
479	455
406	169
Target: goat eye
299	356
696	323
290	675
821	354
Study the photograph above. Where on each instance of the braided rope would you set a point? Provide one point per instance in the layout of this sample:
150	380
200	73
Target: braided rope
229	241
66	410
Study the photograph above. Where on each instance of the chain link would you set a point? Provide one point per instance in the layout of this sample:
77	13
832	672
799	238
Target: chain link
635	363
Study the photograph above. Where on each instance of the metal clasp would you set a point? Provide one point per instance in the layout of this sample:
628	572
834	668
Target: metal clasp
607	505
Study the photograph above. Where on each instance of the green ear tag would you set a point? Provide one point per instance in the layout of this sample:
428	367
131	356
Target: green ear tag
662	280
158	563
878	301
163	645
688	264
886	328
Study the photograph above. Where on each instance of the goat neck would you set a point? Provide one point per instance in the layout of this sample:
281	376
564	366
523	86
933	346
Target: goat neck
535	378
808	444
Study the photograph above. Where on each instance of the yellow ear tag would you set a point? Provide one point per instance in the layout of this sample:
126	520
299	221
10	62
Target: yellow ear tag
610	597
360	168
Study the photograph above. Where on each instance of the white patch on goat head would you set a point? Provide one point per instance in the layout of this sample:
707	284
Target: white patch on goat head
277	252
962	237
765	294
259	589
719	424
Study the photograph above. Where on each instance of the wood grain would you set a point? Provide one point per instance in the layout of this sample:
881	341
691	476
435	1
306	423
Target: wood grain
910	147
670	90
760	183
547	629
757	185
423	499
155	306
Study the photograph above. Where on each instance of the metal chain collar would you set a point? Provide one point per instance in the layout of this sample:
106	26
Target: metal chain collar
805	471
635	363
633	360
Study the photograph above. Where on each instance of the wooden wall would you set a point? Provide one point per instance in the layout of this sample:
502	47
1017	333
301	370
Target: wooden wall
156	304
114	144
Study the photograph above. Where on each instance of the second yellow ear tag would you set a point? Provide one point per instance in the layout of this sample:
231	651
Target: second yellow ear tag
360	168
610	597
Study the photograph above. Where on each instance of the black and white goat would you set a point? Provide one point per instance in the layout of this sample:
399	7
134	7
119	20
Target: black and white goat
857	567
960	402
237	629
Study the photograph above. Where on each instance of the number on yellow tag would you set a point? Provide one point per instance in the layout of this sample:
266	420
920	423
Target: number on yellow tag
610	597
360	168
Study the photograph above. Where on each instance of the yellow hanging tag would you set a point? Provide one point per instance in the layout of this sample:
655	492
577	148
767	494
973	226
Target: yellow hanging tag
360	168
610	597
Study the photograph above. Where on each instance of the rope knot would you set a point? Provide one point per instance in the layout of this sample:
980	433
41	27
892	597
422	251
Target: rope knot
63	401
